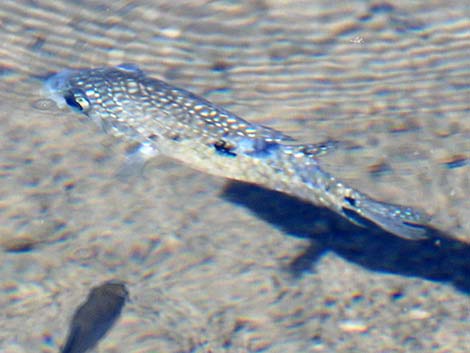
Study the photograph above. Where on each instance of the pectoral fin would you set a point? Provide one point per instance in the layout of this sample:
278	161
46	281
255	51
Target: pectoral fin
136	160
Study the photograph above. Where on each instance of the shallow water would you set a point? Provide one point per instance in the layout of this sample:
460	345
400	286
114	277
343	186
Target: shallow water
215	266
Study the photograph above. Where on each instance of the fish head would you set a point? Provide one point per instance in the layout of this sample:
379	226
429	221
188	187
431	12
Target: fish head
100	93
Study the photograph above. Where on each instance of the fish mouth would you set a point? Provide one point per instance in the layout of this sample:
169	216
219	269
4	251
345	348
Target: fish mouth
56	85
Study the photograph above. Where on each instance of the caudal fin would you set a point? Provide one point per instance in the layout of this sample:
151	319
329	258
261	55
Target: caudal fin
402	221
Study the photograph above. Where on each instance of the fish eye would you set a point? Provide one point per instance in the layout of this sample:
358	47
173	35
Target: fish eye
77	100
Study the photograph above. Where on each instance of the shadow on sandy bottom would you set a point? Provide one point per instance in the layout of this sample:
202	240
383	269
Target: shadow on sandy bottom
439	258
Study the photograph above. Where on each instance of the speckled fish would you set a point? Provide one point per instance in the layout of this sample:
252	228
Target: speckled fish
95	317
168	120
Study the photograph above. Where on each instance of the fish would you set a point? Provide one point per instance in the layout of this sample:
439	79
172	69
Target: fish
95	317
163	119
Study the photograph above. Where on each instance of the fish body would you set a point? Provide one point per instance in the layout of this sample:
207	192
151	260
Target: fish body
174	122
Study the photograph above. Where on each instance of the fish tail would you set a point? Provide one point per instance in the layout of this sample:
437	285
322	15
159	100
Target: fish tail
322	188
402	221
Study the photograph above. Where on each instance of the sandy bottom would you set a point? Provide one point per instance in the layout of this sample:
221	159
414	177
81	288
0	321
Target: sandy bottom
218	266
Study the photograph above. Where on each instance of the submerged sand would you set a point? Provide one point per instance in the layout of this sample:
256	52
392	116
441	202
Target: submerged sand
217	266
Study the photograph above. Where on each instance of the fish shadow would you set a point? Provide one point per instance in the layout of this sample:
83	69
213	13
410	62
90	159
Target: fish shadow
439	258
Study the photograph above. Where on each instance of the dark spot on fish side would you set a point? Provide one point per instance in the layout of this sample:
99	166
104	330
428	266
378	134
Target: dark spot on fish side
350	200
222	147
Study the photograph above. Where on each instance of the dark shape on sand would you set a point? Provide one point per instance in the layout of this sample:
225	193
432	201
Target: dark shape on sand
94	318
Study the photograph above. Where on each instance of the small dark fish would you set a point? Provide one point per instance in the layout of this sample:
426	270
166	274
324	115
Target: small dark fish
179	124
94	318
